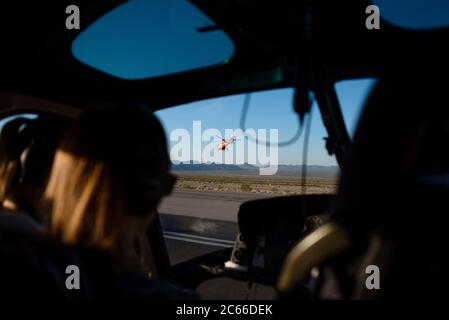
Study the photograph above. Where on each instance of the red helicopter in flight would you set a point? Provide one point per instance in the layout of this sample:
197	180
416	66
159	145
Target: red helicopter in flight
225	142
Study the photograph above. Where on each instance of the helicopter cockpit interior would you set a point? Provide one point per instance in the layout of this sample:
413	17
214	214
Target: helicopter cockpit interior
383	211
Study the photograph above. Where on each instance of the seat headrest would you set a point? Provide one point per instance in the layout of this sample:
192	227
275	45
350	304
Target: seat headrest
402	117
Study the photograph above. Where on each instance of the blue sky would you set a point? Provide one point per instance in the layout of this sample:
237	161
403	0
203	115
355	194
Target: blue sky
415	14
145	38
271	110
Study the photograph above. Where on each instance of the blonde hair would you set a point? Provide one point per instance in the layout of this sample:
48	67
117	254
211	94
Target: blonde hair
94	192
82	212
8	171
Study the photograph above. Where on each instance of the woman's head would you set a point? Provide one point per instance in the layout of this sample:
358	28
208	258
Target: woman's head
110	171
27	148
12	144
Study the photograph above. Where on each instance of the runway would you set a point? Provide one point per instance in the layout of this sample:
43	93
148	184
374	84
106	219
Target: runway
198	222
213	205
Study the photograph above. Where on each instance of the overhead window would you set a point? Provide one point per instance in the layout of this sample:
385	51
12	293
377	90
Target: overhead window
146	38
415	14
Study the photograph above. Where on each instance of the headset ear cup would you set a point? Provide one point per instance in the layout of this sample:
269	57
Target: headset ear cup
143	195
139	202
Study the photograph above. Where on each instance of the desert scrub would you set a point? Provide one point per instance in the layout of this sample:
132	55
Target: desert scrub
245	187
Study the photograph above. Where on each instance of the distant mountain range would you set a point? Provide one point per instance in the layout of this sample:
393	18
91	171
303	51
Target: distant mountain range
283	170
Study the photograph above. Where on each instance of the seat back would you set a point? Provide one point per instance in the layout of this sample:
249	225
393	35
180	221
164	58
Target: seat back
395	215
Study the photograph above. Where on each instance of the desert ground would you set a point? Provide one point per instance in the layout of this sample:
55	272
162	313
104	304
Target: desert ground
269	185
